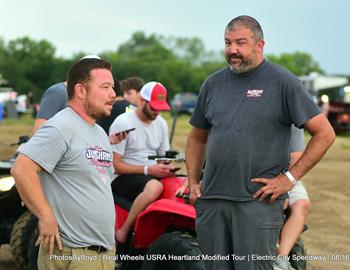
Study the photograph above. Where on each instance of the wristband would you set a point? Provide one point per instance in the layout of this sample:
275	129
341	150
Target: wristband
145	170
291	177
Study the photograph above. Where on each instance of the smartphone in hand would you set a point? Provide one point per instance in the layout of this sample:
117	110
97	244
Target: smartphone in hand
175	170
117	137
127	130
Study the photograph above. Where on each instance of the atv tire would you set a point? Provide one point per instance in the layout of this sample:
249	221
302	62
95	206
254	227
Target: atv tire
298	250
22	242
177	244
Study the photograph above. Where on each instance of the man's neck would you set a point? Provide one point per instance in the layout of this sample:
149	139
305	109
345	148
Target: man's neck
80	110
140	115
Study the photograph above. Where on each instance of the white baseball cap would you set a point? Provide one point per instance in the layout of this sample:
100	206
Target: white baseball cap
155	93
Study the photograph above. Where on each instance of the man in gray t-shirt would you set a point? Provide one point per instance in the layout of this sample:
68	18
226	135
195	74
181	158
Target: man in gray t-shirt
64	174
52	101
241	126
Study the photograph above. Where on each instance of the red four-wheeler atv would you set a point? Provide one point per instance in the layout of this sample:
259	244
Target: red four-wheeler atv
18	227
163	236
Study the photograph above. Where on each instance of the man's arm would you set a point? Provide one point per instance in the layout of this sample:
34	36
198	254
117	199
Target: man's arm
322	138
117	137
158	170
25	172
195	152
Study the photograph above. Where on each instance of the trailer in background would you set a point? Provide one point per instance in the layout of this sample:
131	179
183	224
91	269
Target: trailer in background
332	94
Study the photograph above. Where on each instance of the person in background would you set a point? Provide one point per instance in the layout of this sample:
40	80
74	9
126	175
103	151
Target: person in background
131	88
120	106
138	179
298	203
53	100
1	112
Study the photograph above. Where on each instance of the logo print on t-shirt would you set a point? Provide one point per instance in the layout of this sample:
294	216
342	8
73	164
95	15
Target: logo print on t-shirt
99	158
254	93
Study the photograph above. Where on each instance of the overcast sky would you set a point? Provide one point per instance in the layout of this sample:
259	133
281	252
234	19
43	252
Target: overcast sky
319	27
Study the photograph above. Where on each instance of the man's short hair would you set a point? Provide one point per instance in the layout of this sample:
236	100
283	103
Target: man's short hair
80	72
247	22
132	83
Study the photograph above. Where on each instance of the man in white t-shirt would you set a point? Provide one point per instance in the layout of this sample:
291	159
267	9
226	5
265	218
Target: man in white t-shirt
138	178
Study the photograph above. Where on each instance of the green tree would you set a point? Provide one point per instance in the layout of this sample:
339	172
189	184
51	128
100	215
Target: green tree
299	63
144	56
28	64
2	50
180	63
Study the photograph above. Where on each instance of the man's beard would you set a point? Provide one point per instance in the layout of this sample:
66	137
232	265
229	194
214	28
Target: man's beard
95	111
246	64
147	113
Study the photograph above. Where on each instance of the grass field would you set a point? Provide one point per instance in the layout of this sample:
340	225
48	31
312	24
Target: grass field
328	185
10	129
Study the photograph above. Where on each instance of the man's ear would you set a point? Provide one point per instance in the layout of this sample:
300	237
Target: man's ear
261	44
80	91
142	100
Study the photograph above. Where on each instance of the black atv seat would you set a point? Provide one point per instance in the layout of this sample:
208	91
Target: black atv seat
122	201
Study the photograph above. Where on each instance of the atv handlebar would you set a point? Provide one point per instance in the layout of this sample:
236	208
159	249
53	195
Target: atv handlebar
21	140
185	196
169	156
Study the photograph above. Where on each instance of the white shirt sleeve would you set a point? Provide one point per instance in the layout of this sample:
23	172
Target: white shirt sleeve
164	146
46	147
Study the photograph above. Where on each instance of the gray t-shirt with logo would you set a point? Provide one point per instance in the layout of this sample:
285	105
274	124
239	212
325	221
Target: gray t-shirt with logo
78	170
249	118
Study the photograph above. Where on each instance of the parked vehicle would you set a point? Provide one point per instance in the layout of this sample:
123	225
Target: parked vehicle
332	94
184	102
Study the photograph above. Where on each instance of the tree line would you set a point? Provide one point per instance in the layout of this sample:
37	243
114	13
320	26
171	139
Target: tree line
181	64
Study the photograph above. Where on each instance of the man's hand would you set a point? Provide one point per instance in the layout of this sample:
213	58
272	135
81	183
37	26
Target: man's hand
117	137
48	234
274	187
25	171
195	193
162	170
182	189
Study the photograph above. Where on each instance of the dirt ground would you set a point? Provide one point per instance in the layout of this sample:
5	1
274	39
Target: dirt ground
329	220
329	189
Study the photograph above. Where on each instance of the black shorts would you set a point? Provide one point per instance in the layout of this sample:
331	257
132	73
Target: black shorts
130	185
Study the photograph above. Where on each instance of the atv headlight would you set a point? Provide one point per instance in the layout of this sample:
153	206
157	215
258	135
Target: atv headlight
6	183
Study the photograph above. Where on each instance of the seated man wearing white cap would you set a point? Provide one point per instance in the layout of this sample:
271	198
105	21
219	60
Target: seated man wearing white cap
138	178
